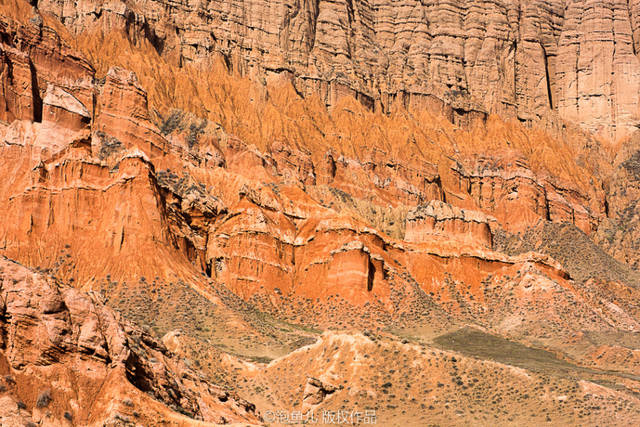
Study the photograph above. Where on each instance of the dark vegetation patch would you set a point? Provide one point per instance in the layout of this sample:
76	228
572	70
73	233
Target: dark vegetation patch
195	131
474	343
44	398
172	122
632	165
108	145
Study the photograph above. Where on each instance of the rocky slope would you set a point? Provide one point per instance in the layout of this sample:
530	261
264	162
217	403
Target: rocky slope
68	359
421	384
163	156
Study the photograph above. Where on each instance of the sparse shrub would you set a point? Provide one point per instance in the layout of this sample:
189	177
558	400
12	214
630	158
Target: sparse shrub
127	402
172	122
194	133
21	405
44	398
68	416
120	417
109	145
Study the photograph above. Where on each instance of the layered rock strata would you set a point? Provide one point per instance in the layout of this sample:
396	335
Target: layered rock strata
522	59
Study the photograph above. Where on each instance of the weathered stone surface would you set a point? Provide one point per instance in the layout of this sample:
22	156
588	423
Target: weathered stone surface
45	51
517	197
16	99
521	59
443	219
64	109
315	392
122	113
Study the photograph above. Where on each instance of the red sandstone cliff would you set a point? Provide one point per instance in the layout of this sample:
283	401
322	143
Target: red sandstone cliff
220	196
518	59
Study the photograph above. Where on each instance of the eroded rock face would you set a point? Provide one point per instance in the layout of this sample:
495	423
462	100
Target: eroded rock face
520	59
17	87
444	219
518	198
342	218
64	355
284	227
122	113
32	54
62	108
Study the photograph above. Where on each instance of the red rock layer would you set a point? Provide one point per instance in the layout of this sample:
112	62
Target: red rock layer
127	199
